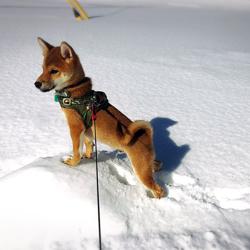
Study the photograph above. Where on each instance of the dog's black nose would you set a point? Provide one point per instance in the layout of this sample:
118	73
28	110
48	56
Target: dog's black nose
38	84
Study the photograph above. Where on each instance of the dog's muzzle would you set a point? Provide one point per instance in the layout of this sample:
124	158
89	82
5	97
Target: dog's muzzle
39	86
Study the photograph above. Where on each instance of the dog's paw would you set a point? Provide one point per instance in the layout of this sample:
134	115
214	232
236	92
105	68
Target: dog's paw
71	161
87	156
158	192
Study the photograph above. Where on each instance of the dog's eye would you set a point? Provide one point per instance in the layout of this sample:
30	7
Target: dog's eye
53	71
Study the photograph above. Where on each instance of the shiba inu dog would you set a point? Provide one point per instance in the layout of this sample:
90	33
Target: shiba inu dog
63	72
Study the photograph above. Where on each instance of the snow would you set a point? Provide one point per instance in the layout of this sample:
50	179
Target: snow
182	65
222	4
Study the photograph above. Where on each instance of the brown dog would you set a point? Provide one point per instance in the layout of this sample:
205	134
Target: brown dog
62	71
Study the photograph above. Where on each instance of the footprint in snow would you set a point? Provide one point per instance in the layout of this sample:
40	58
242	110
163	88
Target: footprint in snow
124	176
119	166
229	198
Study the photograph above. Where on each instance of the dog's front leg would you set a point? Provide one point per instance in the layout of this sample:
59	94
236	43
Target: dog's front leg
76	136
88	141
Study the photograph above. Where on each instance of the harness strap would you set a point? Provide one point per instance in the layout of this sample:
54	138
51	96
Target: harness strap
83	104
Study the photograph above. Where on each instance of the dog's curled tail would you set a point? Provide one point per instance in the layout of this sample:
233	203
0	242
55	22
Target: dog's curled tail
138	129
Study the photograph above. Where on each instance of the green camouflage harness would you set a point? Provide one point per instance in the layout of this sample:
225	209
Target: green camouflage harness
85	106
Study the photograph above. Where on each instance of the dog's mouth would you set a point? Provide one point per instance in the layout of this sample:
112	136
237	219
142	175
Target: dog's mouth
47	90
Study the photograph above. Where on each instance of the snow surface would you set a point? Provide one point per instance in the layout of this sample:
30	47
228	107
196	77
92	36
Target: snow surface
185	68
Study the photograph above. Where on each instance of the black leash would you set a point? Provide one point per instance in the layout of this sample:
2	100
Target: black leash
97	178
87	106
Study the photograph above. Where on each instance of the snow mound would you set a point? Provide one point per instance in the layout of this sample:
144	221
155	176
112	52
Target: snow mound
47	205
48	201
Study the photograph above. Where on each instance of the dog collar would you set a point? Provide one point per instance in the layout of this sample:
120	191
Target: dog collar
60	94
82	81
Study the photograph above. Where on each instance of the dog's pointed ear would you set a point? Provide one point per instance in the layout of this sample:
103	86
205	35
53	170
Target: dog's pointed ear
46	47
66	51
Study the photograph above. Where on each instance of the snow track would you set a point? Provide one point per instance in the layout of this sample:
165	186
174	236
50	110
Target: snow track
186	187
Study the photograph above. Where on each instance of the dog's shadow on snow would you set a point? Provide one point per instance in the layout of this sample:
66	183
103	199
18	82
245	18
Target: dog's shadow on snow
166	149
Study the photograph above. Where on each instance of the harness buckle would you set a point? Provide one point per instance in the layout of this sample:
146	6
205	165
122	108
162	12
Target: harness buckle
67	101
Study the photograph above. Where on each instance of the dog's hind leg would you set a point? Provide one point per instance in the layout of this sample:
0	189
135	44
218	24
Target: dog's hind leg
143	165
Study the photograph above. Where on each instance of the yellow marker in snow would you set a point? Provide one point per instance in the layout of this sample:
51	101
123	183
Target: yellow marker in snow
79	12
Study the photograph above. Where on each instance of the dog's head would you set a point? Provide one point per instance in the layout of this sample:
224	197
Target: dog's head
58	66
